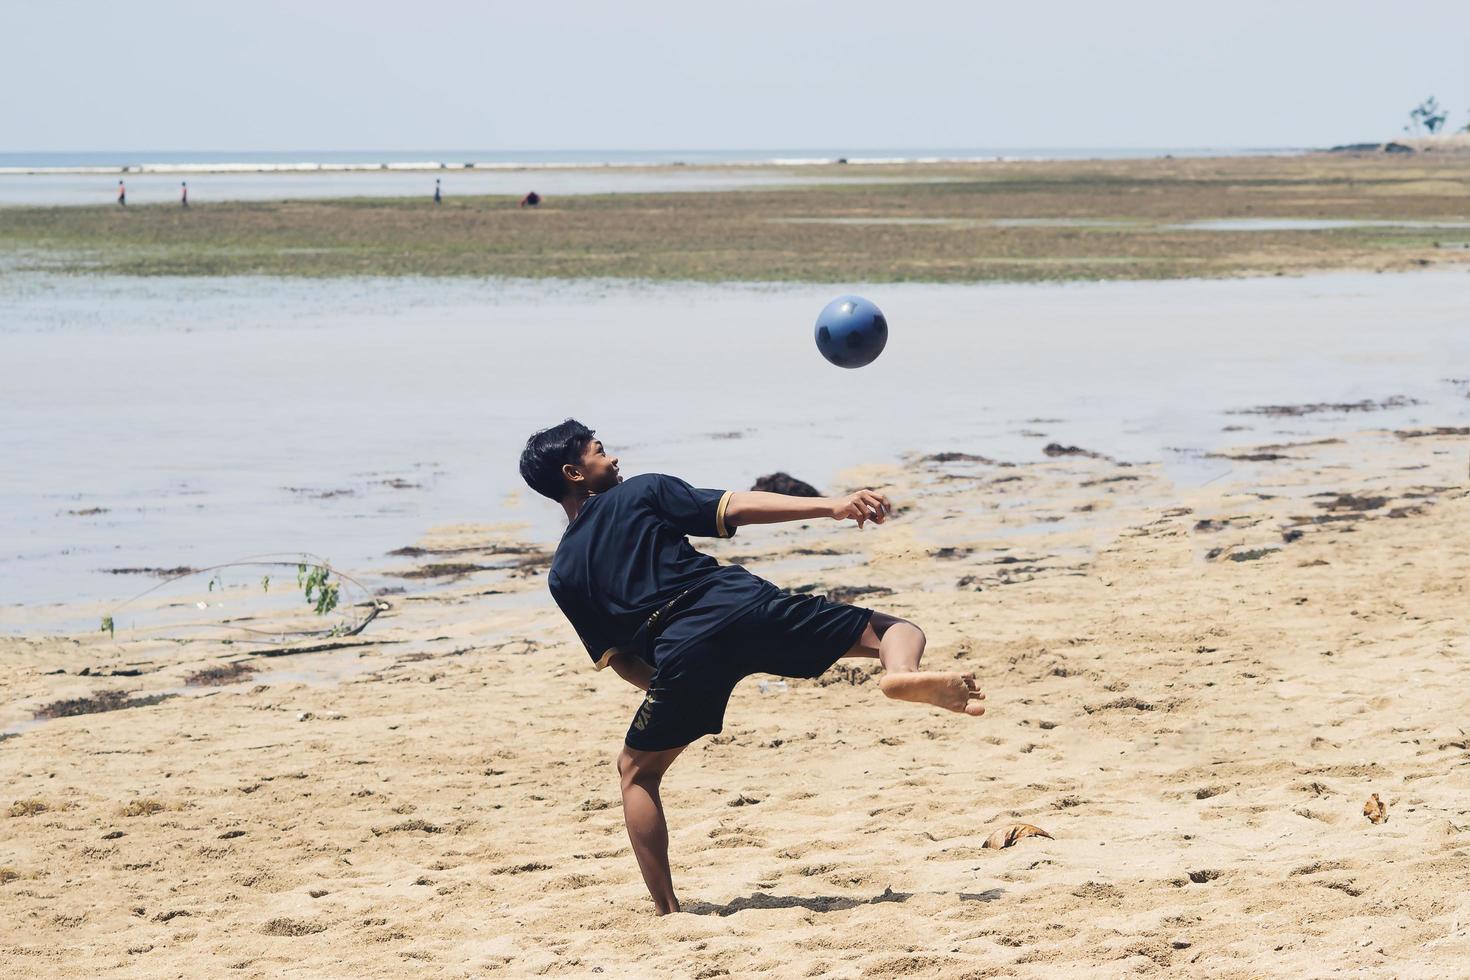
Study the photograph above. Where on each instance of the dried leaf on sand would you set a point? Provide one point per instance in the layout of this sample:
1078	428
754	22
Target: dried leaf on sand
1375	809
1009	835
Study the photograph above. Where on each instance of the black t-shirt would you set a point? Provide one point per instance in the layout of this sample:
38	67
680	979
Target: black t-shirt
625	556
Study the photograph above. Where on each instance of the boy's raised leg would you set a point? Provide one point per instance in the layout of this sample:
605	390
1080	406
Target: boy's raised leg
898	645
643	812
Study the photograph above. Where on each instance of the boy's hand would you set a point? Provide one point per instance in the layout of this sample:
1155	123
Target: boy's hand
865	505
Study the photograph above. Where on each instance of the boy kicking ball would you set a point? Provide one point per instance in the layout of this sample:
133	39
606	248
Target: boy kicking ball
679	625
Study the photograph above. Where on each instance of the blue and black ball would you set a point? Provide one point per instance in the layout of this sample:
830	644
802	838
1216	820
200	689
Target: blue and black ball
851	332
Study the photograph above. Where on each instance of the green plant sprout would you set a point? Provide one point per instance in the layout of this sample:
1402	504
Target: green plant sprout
107	625
314	578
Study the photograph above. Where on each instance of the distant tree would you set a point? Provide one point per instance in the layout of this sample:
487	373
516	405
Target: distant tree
1426	117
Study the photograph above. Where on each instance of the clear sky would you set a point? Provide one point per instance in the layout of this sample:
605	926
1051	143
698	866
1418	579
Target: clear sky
639	74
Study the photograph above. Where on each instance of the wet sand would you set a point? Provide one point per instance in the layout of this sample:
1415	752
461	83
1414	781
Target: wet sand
1193	689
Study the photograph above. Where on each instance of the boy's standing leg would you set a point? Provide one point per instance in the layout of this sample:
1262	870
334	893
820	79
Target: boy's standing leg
643	812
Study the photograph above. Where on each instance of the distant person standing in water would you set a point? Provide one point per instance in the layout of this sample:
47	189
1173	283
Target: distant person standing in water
438	197
122	194
531	200
184	194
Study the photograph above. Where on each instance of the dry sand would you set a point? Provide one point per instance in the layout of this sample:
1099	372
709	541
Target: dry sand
1198	733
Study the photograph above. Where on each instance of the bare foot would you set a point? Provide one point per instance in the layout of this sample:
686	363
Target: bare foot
953	692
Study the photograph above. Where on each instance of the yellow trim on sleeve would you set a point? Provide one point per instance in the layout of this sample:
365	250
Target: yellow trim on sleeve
607	656
720	527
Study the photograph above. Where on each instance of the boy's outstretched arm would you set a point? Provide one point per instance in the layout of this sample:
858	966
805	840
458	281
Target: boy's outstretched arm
760	507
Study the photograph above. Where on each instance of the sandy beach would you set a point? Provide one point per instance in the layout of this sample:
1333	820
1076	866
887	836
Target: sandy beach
1138	340
1194	691
1200	541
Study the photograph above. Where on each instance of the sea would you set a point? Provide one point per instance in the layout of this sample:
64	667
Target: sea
155	177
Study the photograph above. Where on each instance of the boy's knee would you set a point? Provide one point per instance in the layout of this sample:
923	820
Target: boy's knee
903	625
882	622
630	773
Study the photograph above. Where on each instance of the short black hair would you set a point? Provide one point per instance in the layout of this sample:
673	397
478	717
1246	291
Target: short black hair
548	451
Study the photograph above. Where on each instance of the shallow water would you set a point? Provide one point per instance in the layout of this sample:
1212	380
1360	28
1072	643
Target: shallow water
212	419
101	189
41	179
970	222
1308	224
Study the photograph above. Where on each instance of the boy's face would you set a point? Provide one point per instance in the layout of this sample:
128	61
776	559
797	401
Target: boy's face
597	472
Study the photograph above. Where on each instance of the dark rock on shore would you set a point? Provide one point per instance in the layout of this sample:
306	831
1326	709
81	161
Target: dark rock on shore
1349	501
1055	449
1443	430
1249	457
848	593
1249	554
1252	554
840	593
1390	147
1292	411
443	570
1109	479
160	572
101	701
413	551
787	484
949	457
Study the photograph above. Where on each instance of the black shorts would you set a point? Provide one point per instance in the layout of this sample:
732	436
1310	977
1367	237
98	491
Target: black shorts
788	635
